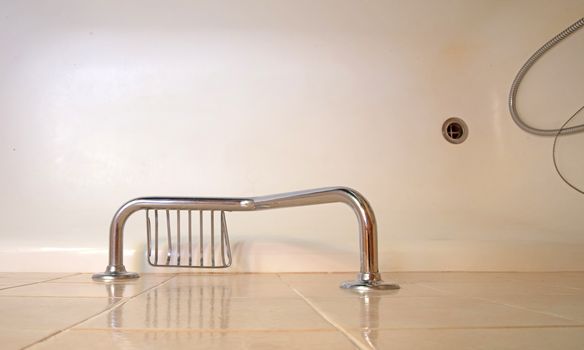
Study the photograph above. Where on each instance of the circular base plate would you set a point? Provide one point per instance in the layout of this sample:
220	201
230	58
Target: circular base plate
114	276
363	286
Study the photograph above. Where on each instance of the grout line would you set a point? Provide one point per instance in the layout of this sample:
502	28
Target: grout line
519	307
453	328
110	308
351	338
423	284
320	330
339	328
493	300
56	296
355	340
38	282
208	330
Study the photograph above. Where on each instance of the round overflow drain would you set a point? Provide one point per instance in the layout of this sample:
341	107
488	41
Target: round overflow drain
455	130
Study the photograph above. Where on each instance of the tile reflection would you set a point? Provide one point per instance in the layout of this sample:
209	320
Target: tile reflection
114	290
212	303
369	318
194	307
369	313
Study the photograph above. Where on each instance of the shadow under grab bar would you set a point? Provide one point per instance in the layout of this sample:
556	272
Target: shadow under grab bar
368	278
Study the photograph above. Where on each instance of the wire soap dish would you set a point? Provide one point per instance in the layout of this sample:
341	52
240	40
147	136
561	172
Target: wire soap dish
206	250
218	251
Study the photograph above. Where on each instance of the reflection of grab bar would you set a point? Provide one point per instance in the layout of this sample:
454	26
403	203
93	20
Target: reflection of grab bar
368	277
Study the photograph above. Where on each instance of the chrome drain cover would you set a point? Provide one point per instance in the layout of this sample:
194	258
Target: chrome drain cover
455	130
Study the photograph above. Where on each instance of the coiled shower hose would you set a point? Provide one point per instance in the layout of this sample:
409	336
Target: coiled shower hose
519	77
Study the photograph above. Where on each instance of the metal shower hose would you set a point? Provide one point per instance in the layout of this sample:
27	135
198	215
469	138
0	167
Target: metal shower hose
519	77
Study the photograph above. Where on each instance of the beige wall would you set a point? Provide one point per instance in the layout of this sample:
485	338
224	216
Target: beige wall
103	101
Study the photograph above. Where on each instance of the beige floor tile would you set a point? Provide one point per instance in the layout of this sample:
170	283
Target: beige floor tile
129	340
89	288
257	311
429	312
11	279
25	313
34	276
74	290
414	277
485	339
559	279
232	286
14	284
17	339
216	310
502	287
328	285
144	277
568	306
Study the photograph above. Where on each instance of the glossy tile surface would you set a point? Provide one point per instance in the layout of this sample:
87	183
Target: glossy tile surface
81	285
149	278
327	286
34	276
105	340
430	312
210	310
421	277
42	313
17	339
484	288
294	311
567	306
77	290
559	279
449	339
9	280
237	286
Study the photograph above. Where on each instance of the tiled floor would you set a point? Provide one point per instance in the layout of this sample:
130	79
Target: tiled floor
293	311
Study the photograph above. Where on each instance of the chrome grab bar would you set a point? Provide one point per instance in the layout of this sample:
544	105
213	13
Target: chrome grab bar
368	277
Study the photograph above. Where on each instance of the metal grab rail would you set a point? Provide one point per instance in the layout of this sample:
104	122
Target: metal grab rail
368	277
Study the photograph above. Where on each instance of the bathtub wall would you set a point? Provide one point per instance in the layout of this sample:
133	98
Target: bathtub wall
103	101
